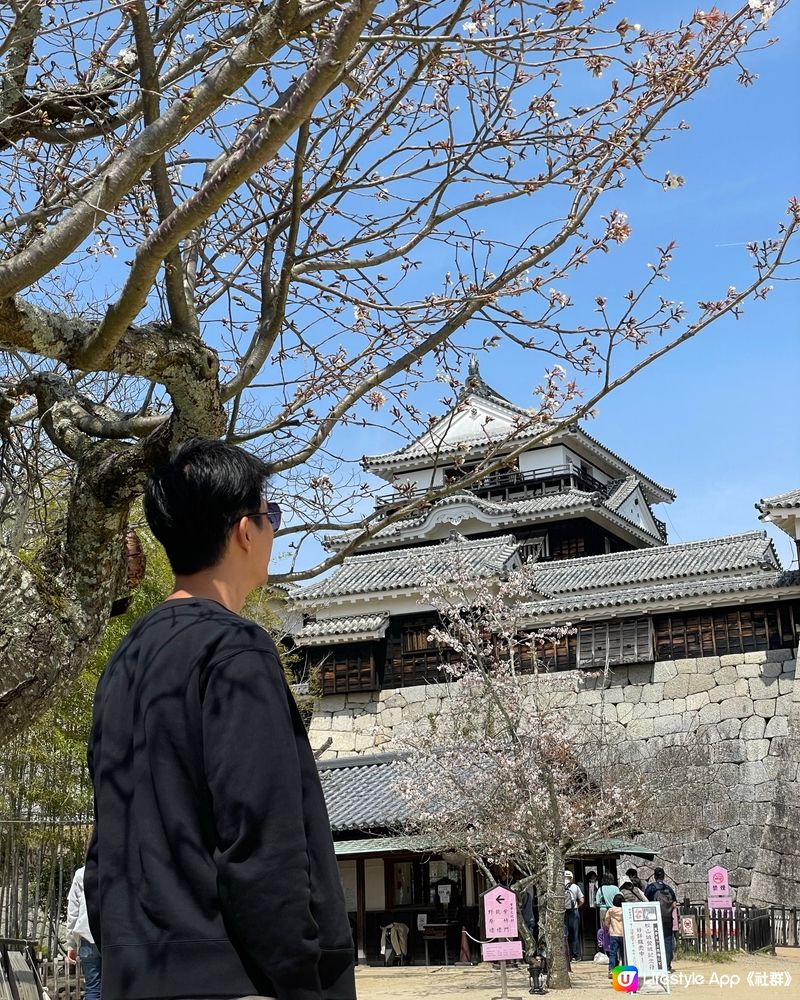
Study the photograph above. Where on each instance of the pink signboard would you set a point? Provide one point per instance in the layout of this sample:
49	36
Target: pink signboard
719	889
500	912
499	951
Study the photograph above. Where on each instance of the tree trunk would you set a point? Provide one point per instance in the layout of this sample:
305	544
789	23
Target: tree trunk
558	973
55	605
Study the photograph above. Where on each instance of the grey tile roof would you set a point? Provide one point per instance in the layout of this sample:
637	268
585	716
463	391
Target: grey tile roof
340	629
502	512
714	556
621	491
658	593
419	449
359	792
409	569
512	510
781	501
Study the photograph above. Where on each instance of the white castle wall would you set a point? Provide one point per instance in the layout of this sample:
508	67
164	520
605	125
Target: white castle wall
748	703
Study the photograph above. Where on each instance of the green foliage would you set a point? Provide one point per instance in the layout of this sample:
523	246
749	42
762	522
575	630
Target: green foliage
44	773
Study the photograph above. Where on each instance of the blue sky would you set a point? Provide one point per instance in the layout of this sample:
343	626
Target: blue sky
717	419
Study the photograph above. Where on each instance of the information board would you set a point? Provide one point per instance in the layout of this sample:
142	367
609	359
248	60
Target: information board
499	951
644	944
720	896
500	912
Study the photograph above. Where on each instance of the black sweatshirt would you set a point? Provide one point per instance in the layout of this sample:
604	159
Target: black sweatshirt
212	871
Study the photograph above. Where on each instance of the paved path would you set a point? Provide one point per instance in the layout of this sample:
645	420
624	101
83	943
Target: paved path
691	979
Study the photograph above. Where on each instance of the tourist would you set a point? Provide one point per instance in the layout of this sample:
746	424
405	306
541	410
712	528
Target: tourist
659	892
573	901
633	878
604	897
612	922
632	893
80	943
211	872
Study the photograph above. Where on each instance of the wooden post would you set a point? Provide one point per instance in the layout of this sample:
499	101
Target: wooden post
361	912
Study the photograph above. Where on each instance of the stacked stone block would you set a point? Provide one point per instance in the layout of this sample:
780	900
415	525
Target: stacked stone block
746	704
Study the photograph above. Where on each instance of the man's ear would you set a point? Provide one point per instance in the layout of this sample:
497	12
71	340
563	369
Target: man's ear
240	533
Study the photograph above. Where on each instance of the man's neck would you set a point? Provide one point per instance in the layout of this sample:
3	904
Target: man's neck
211	586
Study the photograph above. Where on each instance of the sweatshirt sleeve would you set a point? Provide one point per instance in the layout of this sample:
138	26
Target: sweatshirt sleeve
91	875
254	778
73	912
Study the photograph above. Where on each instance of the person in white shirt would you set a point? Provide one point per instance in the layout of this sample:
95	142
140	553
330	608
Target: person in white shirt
80	943
573	901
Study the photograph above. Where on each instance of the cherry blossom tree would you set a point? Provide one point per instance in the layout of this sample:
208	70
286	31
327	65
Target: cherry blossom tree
514	774
273	222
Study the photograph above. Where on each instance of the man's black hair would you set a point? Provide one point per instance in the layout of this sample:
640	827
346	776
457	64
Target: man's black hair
632	872
619	899
193	501
658	874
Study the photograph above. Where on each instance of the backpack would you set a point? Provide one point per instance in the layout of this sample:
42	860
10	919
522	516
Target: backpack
664	897
569	898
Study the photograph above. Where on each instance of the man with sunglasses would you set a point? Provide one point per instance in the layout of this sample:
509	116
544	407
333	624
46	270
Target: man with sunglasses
211	873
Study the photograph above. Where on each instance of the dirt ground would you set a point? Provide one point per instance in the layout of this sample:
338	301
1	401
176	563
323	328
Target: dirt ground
698	980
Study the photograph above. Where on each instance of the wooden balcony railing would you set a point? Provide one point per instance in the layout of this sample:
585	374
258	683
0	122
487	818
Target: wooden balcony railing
509	485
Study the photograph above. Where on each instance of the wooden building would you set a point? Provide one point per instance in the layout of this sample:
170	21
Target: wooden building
389	878
587	521
584	516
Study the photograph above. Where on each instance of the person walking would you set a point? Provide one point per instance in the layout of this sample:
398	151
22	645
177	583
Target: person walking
573	901
659	892
211	872
612	921
80	943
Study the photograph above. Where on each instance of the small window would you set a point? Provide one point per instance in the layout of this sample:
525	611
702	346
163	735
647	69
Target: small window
626	641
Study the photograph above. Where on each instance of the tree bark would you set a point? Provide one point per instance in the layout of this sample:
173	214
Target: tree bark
557	971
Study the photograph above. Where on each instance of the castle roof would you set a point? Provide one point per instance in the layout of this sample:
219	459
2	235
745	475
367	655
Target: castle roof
781	501
497	436
690	573
750	551
351	628
409	570
783	510
461	506
361	797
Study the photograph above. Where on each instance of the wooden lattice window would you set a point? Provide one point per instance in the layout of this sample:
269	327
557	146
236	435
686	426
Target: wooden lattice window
410	657
626	641
731	630
345	668
561	654
568	548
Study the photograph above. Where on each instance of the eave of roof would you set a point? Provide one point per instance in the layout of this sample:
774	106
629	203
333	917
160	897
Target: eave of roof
708	557
412	454
687	594
784	502
530	510
351	628
404	570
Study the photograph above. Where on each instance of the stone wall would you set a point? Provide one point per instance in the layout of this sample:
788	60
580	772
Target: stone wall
749	705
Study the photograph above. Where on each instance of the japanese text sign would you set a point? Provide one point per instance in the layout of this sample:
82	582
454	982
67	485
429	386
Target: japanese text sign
644	941
500	951
500	913
719	889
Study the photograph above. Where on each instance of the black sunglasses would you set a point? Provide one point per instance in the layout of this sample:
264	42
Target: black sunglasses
273	514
